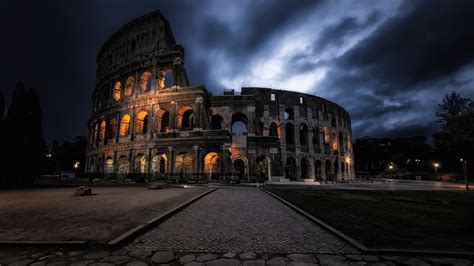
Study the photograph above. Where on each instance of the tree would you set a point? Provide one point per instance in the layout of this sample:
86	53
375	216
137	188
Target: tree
453	106
24	147
456	138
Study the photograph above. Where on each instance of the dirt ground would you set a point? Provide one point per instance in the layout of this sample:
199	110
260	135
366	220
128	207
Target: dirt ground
54	214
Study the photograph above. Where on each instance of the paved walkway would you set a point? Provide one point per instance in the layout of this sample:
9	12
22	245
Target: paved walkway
231	226
241	219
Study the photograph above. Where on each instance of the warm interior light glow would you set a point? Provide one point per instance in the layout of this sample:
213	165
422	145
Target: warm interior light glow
124	125
116	92
129	86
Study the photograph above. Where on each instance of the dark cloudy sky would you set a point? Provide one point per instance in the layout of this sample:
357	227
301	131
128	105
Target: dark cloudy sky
388	63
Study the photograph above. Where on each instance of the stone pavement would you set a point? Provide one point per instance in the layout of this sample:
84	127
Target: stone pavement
237	220
231	226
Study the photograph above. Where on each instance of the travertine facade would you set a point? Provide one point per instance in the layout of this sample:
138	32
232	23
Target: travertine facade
148	121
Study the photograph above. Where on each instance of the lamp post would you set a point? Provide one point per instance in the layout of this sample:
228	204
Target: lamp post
463	162
436	166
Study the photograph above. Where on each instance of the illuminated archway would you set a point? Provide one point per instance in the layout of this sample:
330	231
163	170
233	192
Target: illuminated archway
211	164
124	125
142	123
102	130
139	164
109	165
183	164
129	86
116	91
145	81
186	118
159	163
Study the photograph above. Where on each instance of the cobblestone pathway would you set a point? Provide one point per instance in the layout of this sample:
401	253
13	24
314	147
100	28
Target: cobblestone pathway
235	226
238	220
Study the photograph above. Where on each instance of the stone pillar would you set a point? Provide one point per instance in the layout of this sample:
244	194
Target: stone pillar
148	151
251	121
117	130
130	161
196	159
132	125
170	161
199	114
173	115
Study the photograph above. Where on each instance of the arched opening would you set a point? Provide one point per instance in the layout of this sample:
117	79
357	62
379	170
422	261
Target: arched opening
334	140
336	167
239	124
109	165
112	128
165	122
129	86
328	170
303	134
158	163
240	168
122	164
290	134
116	90
183	164
210	165
124	125
186	118
142	123
289	114
326	135
290	169
304	166
259	128
317	169
217	122
274	130
102	130
263	171
139	164
145	81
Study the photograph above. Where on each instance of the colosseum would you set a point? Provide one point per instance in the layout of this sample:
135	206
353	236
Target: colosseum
149	122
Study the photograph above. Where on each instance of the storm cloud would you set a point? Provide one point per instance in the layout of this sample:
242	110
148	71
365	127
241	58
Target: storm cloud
389	63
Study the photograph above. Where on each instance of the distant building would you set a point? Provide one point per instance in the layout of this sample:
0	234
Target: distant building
148	120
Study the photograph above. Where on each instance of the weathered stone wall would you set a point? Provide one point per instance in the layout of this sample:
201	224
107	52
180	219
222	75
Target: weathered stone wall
147	119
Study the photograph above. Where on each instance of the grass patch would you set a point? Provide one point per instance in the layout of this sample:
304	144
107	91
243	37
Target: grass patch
439	220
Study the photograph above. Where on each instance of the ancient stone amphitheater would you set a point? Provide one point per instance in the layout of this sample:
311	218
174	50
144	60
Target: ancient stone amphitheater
149	122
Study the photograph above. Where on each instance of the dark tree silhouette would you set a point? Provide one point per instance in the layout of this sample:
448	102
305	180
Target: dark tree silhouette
23	133
456	138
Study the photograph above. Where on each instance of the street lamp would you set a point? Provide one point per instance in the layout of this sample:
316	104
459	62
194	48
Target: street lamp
463	162
76	165
436	166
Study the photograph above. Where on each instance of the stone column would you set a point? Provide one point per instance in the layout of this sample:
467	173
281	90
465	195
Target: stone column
117	130
173	115
130	161
199	114
170	161
196	159
251	121
148	151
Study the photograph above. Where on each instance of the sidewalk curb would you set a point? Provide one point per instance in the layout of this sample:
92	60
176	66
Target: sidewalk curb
43	243
362	248
151	223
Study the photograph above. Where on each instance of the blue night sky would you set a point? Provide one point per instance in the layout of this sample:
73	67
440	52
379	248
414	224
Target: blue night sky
389	63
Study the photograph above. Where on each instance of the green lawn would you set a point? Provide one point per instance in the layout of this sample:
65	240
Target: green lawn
439	220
